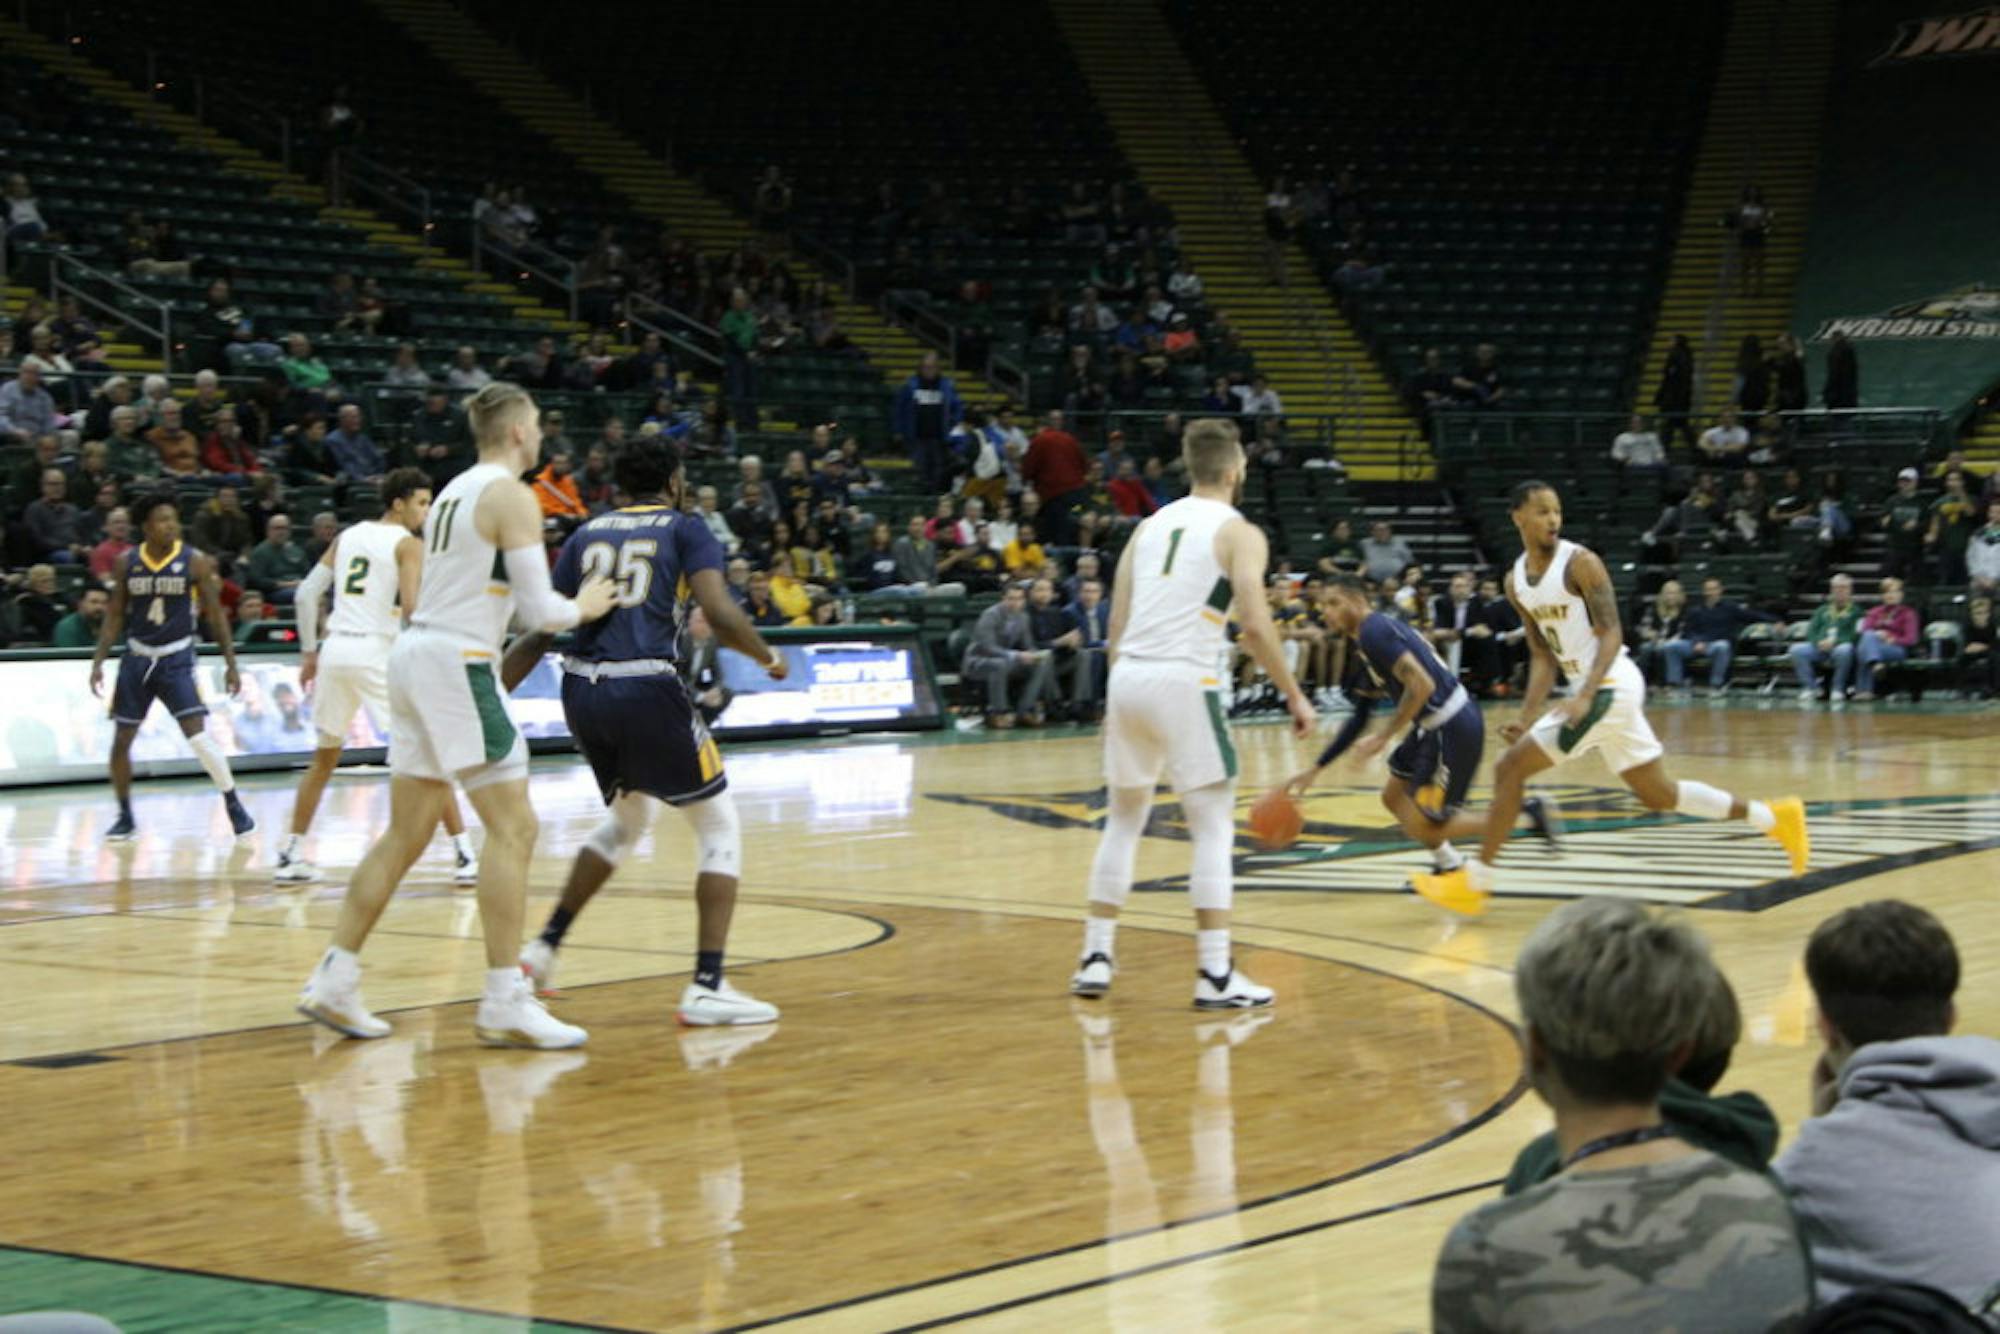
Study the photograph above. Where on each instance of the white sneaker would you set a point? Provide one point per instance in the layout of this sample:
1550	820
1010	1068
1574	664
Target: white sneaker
1808	696
339	1007
467	870
704	1008
294	870
519	1019
538	962
1235	992
1092	976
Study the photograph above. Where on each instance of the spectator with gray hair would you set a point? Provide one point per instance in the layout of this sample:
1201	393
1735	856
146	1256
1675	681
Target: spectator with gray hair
1641	1229
1003	652
1830	639
1896	1176
27	412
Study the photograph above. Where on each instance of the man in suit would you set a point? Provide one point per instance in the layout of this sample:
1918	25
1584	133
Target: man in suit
1461	634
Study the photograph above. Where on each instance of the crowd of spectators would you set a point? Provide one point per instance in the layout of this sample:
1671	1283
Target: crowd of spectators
1878	1215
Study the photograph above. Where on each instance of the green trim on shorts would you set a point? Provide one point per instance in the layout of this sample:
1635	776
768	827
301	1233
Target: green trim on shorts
496	729
1219	596
1600	704
1220	725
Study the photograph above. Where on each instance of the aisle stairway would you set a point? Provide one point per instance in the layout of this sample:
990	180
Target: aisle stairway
240	160
652	185
1185	157
1763	129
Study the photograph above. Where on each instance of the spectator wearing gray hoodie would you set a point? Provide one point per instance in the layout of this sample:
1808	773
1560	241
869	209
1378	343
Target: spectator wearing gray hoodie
1896	1177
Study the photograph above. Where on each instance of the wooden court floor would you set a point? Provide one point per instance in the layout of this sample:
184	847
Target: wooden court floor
935	1132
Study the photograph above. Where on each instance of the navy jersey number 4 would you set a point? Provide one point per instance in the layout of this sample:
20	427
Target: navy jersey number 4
650	552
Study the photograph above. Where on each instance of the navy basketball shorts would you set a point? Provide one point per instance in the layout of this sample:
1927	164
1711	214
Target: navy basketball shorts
1437	767
643	734
142	680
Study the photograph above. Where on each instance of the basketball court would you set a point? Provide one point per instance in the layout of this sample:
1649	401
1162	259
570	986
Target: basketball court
935	1132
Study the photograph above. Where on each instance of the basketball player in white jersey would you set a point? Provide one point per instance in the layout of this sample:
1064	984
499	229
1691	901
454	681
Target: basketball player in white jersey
483	562
380	563
1166	706
1565	598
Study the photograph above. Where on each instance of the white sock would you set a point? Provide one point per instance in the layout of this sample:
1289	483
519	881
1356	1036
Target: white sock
1444	857
1760	817
340	965
1479	874
462	843
213	760
1097	935
1211	950
500	982
1702	801
291	847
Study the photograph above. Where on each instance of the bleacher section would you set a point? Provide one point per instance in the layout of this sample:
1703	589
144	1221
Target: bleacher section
258	228
1517	179
1763	130
949	162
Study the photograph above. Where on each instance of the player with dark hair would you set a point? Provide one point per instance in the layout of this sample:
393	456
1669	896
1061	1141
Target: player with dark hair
1566	601
633	718
1444	735
162	584
374	569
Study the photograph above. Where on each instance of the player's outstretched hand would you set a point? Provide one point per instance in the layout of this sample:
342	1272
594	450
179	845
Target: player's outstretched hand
1304	720
232	680
308	671
1368	747
778	668
595	598
97	679
1514	731
1298	784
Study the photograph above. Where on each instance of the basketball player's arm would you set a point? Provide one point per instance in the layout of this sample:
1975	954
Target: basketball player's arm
210	584
1245	553
1592	582
732	628
305	607
107	634
1541	669
409	574
1121	597
509	518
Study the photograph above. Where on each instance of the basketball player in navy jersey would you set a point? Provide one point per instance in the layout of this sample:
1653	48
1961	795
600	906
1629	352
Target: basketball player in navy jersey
160	585
633	718
1431	770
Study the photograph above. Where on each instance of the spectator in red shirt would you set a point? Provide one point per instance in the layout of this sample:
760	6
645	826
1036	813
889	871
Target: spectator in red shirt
104	557
1056	468
1888	633
1129	493
1182	343
226	451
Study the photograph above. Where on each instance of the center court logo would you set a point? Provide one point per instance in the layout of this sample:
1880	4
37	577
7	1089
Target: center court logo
1971	311
1613	847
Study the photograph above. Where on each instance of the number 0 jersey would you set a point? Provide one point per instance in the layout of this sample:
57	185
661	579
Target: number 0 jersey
650	552
1558	615
1180	592
365	580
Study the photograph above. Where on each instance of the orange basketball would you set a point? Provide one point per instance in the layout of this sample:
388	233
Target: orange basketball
1276	819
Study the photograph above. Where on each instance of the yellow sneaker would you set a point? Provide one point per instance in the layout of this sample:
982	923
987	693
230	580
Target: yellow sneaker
1790	831
1453	892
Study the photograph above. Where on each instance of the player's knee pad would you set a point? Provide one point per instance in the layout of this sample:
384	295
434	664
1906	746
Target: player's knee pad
1211	821
717	833
625	823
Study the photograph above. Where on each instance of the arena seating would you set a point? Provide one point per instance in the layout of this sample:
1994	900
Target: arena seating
1519	186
